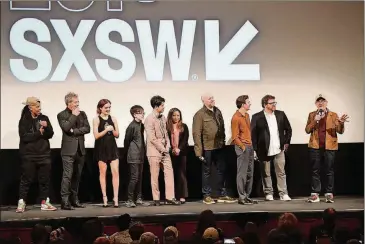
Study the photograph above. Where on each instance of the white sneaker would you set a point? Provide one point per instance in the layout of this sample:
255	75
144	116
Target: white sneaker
329	198
47	206
314	198
285	197
269	197
21	206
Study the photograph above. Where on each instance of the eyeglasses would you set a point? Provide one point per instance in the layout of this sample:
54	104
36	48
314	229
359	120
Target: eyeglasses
273	103
321	101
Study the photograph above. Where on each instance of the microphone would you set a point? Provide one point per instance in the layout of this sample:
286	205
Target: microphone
320	113
106	125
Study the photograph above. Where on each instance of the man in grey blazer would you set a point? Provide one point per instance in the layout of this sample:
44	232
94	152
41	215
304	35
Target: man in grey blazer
74	125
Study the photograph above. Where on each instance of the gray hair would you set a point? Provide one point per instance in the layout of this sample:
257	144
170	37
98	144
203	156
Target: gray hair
69	96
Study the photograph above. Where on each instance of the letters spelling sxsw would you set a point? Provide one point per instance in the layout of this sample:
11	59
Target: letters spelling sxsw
218	62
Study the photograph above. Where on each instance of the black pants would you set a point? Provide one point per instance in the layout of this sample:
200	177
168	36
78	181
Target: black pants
72	169
213	157
181	184
30	168
328	158
135	181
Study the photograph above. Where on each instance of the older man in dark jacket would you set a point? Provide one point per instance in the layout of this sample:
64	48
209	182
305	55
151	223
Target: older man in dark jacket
74	125
209	140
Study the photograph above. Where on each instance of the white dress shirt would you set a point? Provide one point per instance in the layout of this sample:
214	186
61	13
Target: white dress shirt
274	147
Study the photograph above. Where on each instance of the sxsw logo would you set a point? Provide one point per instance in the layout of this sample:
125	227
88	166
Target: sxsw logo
218	60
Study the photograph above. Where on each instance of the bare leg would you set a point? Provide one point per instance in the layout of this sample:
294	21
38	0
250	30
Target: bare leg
102	178
115	175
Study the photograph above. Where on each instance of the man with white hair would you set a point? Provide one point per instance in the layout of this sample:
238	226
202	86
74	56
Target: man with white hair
209	140
74	125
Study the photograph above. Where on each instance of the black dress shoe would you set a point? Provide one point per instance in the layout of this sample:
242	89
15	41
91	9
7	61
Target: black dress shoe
172	202
247	201
156	203
251	201
130	204
77	204
139	201
66	206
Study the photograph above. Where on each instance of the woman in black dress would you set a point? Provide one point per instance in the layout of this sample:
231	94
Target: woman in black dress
106	150
179	137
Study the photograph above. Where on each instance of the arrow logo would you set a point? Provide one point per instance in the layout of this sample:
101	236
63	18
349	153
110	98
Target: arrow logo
218	64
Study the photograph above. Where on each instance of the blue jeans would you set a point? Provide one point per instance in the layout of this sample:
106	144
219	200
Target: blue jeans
213	157
327	157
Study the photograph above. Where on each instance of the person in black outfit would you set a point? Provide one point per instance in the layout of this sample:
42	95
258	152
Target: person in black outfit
35	130
106	149
179	137
135	148
74	125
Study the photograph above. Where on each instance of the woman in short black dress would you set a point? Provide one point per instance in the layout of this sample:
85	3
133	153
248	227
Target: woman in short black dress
106	149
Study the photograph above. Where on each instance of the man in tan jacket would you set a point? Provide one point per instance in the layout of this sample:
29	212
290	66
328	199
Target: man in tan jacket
158	148
323	126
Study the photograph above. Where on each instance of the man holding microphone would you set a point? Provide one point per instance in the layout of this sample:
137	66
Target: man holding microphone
323	126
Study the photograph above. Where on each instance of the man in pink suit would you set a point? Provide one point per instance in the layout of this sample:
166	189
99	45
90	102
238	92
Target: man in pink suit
158	151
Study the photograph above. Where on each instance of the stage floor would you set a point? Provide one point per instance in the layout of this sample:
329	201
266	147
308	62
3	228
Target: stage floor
298	205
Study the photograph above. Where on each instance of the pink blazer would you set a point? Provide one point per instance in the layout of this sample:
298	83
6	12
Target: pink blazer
156	142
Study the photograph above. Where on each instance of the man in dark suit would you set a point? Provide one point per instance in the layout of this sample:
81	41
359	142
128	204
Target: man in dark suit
271	134
74	125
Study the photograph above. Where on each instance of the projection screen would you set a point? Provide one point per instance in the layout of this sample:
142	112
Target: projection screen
129	51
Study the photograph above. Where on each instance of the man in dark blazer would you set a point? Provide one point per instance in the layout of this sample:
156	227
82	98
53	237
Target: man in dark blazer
74	125
271	134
